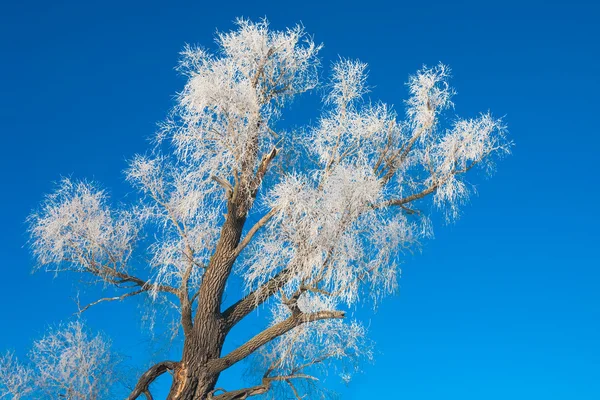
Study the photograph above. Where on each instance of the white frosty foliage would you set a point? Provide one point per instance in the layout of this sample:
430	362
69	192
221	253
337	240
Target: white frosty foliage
68	363
75	229
349	198
179	206
348	82
315	349
466	144
15	378
72	363
333	232
329	236
350	129
225	109
442	154
430	94
355	133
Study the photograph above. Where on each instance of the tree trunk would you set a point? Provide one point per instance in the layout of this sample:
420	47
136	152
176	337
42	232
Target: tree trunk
192	387
191	384
193	379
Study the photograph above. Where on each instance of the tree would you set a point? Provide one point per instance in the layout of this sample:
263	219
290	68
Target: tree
15	379
67	363
314	220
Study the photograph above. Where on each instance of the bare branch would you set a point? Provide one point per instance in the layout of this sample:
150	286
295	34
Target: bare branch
225	184
150	376
118	278
268	335
262	222
263	388
262	169
116	298
242	394
293	388
236	312
408	199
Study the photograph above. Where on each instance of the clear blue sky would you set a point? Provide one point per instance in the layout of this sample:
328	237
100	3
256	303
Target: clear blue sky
504	304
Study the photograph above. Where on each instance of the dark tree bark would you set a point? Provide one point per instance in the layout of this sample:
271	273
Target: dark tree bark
193	378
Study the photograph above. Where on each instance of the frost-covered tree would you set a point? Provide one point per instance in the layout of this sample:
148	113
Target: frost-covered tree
15	378
313	220
67	363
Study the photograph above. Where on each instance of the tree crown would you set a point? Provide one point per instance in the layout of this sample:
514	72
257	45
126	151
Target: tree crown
333	205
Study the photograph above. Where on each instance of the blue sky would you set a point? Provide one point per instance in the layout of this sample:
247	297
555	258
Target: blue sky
502	304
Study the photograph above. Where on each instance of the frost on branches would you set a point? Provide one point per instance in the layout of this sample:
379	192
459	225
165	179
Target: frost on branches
314	221
67	363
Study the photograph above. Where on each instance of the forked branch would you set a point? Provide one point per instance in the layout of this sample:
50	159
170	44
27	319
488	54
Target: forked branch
142	387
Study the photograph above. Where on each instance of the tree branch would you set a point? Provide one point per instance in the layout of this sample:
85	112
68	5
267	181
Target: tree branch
434	187
236	312
225	184
242	394
262	222
118	278
116	298
150	376
262	170
268	335
408	199
263	388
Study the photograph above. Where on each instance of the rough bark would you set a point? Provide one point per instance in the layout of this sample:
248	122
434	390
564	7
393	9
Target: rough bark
193	379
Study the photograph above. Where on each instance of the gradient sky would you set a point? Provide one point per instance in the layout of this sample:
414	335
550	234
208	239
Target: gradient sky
503	304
